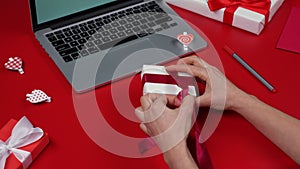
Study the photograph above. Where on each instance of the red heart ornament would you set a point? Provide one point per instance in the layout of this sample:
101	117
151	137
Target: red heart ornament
14	63
38	96
185	38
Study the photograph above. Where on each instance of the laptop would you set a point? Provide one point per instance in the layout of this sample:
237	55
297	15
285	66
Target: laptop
95	42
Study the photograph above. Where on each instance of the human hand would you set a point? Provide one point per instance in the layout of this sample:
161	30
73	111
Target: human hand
167	127
220	93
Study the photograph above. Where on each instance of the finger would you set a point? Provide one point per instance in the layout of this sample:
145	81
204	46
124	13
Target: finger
191	60
156	109
144	128
203	63
186	114
199	72
194	60
147	100
173	101
140	114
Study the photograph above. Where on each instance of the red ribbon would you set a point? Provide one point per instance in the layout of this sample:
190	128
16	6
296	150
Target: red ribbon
259	6
198	151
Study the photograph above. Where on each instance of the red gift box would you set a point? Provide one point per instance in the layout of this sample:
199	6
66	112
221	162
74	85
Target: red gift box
34	148
157	80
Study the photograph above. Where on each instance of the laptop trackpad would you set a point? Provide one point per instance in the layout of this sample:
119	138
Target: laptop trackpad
129	59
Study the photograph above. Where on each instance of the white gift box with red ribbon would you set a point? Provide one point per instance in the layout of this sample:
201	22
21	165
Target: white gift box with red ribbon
243	18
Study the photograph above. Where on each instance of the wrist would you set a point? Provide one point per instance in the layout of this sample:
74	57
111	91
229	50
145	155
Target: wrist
176	153
180	157
242	100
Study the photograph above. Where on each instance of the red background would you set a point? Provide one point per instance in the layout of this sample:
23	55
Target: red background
235	143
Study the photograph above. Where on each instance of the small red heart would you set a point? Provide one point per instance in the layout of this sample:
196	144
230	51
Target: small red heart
14	63
185	38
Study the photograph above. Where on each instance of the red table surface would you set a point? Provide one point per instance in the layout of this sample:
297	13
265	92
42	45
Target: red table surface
234	144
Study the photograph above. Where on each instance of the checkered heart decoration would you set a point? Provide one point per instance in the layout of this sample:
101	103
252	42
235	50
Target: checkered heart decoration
37	96
14	63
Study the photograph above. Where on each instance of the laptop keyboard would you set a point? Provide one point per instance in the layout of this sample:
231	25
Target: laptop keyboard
101	33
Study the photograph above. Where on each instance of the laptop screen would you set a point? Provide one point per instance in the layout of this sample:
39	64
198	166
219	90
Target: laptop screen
50	10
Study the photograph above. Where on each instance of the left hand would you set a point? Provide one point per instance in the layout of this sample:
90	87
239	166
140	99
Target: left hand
219	93
167	127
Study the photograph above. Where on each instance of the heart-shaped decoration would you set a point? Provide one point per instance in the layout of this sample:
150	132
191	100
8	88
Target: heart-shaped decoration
185	38
14	63
38	96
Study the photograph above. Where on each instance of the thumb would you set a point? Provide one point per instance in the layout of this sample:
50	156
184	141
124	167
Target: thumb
188	105
156	109
140	114
144	128
187	114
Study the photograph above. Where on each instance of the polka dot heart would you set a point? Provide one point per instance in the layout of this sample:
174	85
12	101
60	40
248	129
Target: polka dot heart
37	96
14	63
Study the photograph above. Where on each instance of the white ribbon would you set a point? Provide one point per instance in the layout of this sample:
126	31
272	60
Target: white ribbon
160	88
22	135
154	69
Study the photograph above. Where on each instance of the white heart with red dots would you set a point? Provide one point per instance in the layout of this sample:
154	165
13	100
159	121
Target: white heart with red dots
14	63
38	96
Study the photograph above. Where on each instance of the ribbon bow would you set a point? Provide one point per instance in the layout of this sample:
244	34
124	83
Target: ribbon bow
260	6
22	135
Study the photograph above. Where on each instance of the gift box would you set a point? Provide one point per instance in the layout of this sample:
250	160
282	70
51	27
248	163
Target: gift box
20	144
250	16
157	80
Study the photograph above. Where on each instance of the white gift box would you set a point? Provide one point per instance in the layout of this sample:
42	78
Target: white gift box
243	18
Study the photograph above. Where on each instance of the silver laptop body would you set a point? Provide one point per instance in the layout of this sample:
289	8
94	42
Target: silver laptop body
95	42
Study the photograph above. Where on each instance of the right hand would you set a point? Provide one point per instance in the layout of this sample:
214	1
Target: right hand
167	127
220	93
